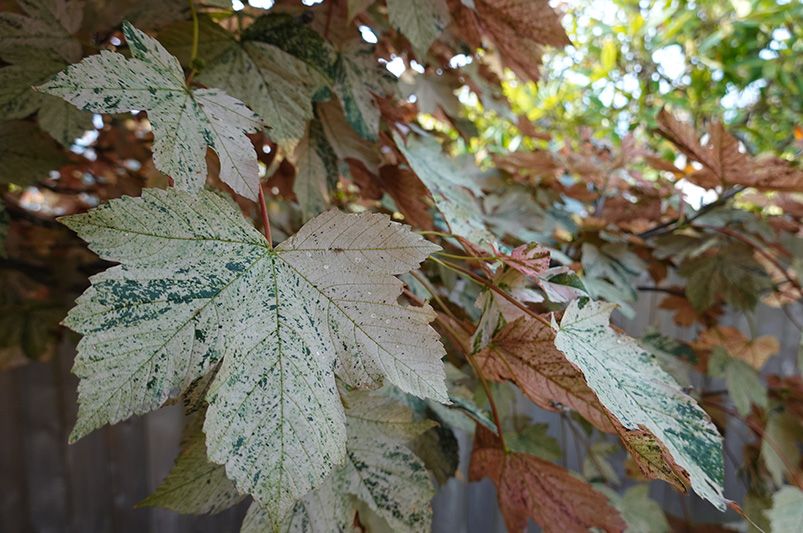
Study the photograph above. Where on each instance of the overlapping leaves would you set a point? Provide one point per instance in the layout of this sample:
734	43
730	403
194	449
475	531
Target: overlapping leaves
185	122
197	286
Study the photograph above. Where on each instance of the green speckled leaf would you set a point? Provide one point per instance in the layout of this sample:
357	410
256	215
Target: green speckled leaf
359	77
786	514
197	285
448	186
275	84
185	122
420	20
27	154
194	485
631	385
46	24
380	471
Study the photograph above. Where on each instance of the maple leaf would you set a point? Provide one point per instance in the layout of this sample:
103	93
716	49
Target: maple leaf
316	170
518	28
194	485
278	86
29	67
754	352
530	259
197	285
731	271
524	353
641	396
722	160
529	487
185	122
46	25
451	191
420	20
380	470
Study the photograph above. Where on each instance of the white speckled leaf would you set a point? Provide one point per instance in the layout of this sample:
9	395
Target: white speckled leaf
185	122
420	20
786	514
194	485
380	470
274	83
197	284
634	388
46	24
446	183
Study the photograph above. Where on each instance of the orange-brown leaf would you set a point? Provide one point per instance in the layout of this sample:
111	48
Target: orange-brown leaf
529	487
524	353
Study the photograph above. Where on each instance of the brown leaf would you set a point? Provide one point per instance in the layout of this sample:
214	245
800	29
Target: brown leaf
518	28
754	352
524	353
529	487
684	312
409	194
723	163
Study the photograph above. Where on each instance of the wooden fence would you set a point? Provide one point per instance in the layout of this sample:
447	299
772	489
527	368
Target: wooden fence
47	486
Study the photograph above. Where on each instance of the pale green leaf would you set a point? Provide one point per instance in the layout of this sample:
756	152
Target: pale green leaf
633	387
448	186
421	21
278	86
314	162
786	514
743	382
197	284
380	471
194	485
185	122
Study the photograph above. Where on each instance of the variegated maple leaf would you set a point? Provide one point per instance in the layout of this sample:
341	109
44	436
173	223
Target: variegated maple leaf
641	396
185	121
198	286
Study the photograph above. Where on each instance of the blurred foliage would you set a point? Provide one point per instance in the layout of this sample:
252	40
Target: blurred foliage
739	60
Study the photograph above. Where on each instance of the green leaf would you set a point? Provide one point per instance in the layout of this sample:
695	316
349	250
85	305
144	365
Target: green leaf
786	514
421	21
194	485
198	285
46	25
732	272
26	154
743	382
780	445
380	470
31	67
185	122
632	386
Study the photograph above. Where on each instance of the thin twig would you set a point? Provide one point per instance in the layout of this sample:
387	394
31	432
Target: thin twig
263	211
494	288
